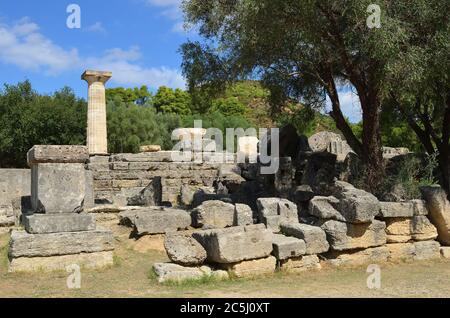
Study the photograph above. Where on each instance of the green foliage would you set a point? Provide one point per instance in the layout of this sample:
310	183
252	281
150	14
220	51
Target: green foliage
230	106
171	101
130	126
308	121
129	95
412	174
28	119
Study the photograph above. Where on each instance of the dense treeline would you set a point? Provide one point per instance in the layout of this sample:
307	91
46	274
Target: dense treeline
137	117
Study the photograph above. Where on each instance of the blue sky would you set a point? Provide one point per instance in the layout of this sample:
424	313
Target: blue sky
138	40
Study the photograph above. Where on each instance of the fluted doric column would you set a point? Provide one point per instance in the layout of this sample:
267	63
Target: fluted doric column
97	139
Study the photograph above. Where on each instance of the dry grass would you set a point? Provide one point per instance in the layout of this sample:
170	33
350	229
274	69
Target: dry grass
132	277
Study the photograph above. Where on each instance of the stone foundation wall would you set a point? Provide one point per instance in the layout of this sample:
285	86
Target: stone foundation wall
14	184
120	179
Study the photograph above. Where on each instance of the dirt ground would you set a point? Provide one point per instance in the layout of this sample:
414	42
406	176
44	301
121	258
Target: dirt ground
131	276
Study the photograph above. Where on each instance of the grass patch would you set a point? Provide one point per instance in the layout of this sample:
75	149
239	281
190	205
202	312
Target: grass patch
194	282
4	251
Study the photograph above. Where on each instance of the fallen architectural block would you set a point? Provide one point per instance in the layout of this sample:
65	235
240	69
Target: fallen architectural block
273	211
184	250
325	208
243	215
276	206
417	228
96	260
57	154
300	264
406	209
445	251
170	272
285	247
424	250
251	268
67	222
149	221
439	211
314	236
358	206
401	251
213	213
427	250
235	244
23	244
360	257
347	236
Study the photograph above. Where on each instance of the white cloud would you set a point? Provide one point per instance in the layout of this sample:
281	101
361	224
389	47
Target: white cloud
24	46
172	10
96	27
126	72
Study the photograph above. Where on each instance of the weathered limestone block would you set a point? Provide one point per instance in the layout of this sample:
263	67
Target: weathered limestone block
235	244
96	260
273	222
58	187
170	272
360	257
397	209
347	236
161	156
213	213
324	208
300	264
285	247
314	236
57	154
273	211
276	206
417	228
321	140
419	207
422	229
427	250
251	268
14	183
89	198
150	148
401	251
439	211
23	244
184	250
205	194
358	206
151	195
149	221
243	215
445	251
66	222
424	250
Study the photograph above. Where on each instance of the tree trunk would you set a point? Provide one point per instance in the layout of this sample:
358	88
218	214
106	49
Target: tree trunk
372	153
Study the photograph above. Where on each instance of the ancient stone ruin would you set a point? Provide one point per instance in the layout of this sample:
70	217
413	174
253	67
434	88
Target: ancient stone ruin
219	218
58	232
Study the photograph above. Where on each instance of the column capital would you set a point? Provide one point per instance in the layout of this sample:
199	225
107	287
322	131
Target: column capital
91	76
